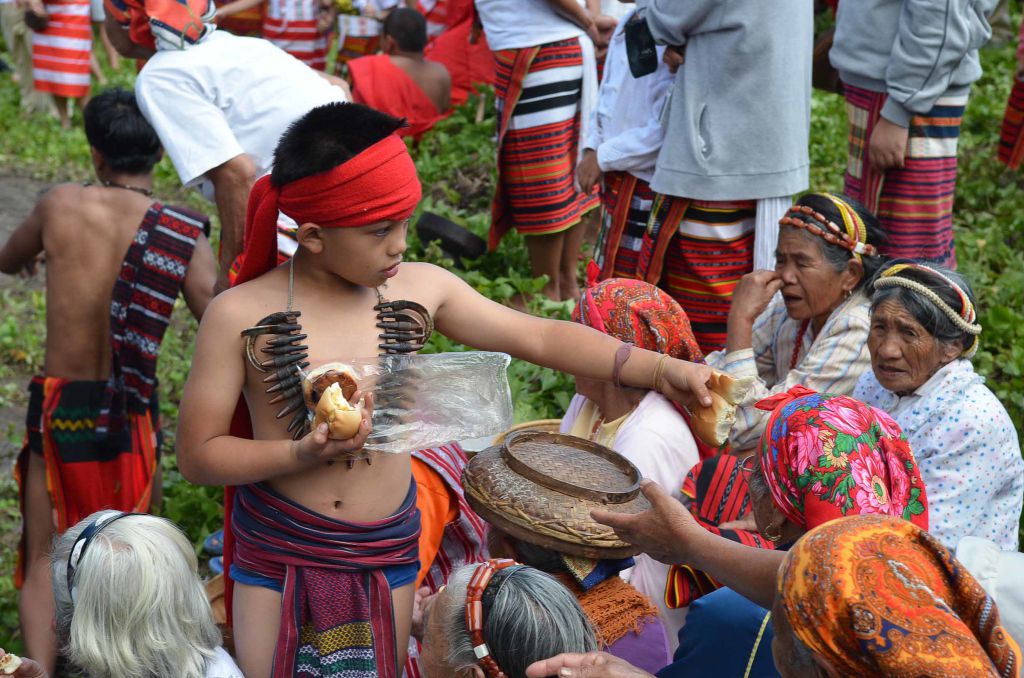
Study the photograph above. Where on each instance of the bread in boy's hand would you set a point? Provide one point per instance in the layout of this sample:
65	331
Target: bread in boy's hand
712	424
317	381
342	418
9	663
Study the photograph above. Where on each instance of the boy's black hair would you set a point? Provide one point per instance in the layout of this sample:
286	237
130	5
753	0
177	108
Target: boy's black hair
116	128
408	28
326	137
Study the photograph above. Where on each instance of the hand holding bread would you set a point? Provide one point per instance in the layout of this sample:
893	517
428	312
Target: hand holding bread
712	423
331	393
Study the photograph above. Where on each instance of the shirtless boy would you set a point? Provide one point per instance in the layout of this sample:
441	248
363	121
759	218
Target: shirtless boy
347	179
99	372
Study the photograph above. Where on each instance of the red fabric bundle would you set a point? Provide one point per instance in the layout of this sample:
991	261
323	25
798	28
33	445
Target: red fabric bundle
379	184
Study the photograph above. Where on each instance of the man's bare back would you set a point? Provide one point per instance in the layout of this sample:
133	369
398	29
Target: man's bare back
432	78
86	232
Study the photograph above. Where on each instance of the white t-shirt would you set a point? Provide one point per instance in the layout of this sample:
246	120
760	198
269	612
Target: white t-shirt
514	24
223	97
223	666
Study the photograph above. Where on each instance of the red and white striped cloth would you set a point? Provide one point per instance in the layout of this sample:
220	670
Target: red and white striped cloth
61	52
291	25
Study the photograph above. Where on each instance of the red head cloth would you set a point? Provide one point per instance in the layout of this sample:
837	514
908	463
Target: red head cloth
379	184
827	456
638	313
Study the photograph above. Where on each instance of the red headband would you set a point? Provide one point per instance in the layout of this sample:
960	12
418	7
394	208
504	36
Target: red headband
379	184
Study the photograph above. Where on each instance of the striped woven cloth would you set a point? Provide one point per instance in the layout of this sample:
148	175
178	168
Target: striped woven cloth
291	25
627	203
697	251
1011	136
61	52
914	203
538	92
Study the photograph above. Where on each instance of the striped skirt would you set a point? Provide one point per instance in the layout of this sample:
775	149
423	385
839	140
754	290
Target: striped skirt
914	203
300	38
697	251
1011	136
627	203
61	52
538	93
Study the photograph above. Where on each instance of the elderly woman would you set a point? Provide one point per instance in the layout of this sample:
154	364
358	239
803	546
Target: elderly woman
870	596
497	618
814	332
924	330
875	597
130	603
821	457
640	424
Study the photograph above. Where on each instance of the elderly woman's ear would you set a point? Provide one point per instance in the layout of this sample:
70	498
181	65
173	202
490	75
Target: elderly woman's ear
851	277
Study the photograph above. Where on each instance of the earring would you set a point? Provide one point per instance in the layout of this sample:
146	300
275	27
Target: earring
774	538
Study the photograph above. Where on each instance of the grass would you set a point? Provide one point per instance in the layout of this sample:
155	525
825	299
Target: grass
455	162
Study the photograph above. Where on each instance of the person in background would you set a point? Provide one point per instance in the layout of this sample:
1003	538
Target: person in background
18	38
218	126
545	91
400	81
299	27
116	260
639	424
61	51
620	150
806	322
907	70
735	151
924	332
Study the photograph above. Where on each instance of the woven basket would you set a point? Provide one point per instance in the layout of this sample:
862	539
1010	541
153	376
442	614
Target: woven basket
540	488
546	425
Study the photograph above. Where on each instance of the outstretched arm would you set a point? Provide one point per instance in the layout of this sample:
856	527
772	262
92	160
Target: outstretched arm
470	318
667	532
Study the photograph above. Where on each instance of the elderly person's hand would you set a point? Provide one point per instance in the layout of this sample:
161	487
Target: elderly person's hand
588	173
753	294
589	665
888	145
28	668
666	532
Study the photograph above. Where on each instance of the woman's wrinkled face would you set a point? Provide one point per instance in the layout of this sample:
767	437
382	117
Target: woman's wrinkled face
811	286
904	355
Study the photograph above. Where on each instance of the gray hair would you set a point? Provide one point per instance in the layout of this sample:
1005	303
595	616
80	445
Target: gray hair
926	313
140	609
533	618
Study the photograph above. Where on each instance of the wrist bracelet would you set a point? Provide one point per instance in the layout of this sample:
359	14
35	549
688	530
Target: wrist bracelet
621	356
659	373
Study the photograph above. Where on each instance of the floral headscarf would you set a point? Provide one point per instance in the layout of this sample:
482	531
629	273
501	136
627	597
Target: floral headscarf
874	596
827	456
638	313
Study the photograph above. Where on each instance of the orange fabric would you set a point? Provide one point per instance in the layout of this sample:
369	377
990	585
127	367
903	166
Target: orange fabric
437	509
468	64
380	84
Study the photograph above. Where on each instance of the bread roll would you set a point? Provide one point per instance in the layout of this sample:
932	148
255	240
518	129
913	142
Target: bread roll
712	424
317	381
341	417
9	663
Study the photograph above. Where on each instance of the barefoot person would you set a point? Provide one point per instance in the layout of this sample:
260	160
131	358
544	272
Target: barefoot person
352	526
116	260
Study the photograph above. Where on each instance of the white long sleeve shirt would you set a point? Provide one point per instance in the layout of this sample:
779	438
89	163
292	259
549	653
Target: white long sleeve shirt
627	132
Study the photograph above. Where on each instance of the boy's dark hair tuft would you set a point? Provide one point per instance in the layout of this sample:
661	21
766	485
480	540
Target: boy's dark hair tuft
408	28
326	137
116	128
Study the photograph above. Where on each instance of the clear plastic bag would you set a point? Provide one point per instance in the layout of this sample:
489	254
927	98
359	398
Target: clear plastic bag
422	401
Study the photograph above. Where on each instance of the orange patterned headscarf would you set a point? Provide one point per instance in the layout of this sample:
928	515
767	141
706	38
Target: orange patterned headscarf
878	596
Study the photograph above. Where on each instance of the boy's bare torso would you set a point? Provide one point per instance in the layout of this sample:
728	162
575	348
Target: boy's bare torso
431	77
86	234
340	324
